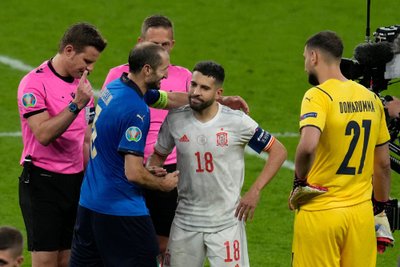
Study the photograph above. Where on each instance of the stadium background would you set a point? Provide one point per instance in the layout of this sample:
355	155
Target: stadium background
260	44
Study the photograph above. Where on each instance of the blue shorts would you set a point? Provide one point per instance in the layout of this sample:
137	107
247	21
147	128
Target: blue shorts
107	240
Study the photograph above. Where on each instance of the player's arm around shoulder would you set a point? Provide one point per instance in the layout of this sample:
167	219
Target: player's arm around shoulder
171	100
277	156
165	100
137	173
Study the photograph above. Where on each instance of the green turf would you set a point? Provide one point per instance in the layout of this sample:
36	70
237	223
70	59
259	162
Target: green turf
260	44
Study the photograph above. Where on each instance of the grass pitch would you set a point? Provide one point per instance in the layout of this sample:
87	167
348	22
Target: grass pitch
260	44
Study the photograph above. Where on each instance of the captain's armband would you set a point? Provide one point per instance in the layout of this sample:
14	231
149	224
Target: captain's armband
261	140
156	98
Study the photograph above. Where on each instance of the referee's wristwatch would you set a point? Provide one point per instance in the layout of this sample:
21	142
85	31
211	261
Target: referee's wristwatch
73	107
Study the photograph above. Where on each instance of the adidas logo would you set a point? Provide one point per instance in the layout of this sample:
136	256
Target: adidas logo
184	138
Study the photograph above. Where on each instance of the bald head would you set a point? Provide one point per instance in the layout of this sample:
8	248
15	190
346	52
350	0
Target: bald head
145	53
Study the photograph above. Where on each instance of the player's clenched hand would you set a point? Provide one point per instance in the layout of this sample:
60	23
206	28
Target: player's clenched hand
84	91
157	171
384	236
247	205
170	181
303	192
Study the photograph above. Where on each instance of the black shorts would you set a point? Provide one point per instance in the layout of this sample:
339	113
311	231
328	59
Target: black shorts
107	240
162	206
48	204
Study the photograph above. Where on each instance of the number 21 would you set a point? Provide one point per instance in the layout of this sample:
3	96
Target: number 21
353	128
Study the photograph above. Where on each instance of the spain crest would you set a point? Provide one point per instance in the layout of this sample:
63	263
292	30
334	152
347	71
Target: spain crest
222	139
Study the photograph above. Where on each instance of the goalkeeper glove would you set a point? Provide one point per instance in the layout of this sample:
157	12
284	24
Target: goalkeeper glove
384	237
379	206
302	192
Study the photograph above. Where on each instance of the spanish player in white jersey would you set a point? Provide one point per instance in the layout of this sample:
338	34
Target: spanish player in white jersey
210	140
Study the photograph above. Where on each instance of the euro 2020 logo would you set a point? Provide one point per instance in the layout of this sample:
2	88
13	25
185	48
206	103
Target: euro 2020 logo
29	100
133	133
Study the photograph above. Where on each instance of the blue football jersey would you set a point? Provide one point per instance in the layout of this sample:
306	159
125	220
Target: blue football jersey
120	127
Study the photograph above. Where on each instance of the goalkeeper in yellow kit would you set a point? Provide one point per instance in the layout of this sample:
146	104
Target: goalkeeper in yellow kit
341	157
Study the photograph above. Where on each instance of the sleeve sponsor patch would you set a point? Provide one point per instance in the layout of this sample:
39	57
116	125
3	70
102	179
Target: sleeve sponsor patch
308	115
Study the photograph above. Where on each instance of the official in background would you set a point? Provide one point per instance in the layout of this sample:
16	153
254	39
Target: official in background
55	103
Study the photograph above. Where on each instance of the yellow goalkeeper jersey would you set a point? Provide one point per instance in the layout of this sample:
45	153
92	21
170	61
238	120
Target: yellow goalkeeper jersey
352	123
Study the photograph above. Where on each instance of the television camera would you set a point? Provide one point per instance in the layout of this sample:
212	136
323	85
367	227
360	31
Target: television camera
376	65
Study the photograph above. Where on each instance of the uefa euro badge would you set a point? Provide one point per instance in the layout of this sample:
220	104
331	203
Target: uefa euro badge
29	100
133	133
222	138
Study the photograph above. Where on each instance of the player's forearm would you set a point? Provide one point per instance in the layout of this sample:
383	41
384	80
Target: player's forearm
137	173
303	160
303	163
382	172
156	159
305	151
277	156
177	99
142	177
381	183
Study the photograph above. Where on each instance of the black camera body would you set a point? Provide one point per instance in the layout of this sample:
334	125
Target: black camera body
375	63
393	213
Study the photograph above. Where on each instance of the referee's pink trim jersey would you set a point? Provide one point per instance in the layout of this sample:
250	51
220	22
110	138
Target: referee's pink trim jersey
43	89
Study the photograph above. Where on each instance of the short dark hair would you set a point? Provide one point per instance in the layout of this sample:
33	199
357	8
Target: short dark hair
81	35
156	21
145	53
328	41
11	239
211	69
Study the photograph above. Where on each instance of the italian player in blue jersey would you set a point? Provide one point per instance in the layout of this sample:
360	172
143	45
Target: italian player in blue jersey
113	225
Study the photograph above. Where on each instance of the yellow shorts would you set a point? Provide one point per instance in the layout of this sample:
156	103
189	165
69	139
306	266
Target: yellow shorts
341	237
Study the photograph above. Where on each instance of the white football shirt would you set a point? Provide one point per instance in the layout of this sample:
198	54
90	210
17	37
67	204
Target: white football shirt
211	163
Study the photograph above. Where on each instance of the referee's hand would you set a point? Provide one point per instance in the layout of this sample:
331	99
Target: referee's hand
84	91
